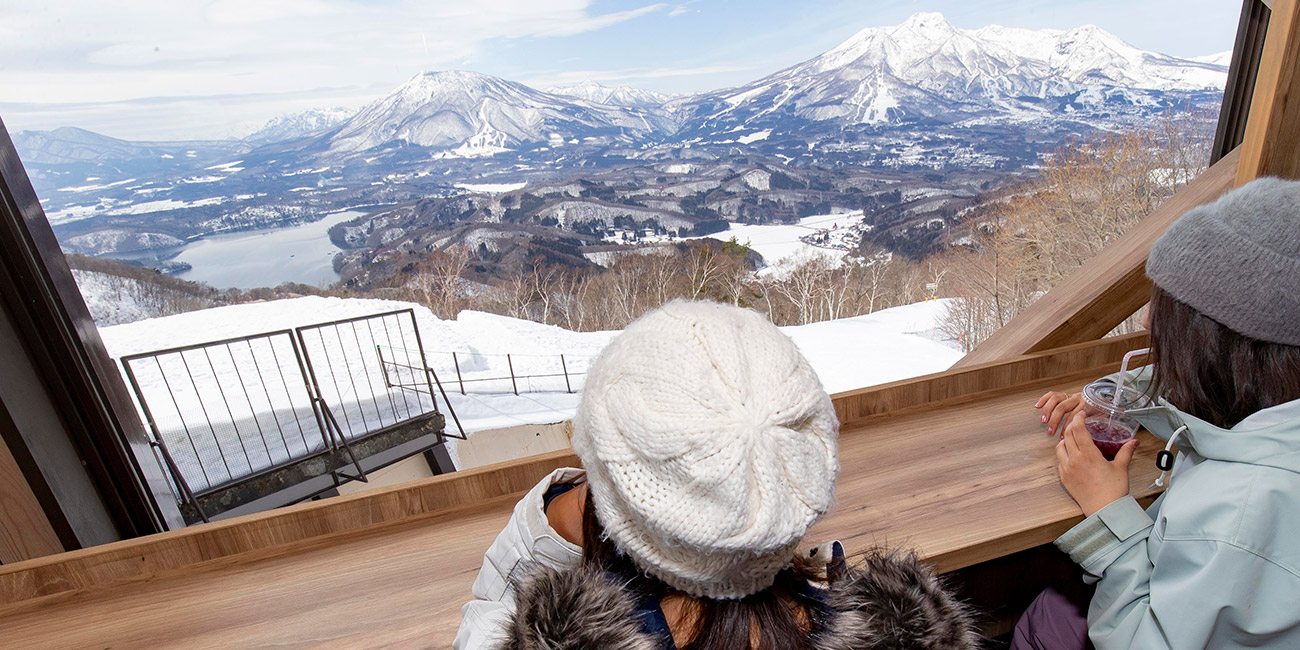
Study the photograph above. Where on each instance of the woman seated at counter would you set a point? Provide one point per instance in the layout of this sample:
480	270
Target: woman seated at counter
1215	561
710	448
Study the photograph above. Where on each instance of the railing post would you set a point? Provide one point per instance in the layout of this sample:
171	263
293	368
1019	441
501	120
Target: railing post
180	479
429	372
382	368
459	379
419	344
308	371
565	367
512	374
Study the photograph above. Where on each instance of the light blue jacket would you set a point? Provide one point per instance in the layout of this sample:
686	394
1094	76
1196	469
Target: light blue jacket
1215	561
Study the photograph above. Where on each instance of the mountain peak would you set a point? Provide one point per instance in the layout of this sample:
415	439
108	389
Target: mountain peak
451	74
927	20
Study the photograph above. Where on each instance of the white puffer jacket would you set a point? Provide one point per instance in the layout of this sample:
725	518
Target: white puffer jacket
889	601
527	540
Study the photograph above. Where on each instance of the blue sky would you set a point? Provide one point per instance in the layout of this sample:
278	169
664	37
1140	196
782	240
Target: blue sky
148	69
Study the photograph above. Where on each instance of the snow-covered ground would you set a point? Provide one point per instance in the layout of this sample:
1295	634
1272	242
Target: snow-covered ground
782	245
849	353
493	188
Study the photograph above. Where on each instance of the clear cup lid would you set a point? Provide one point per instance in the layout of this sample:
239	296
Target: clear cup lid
1101	395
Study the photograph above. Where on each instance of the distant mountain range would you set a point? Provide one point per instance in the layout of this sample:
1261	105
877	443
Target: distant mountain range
296	125
923	97
625	96
476	114
924	69
928	69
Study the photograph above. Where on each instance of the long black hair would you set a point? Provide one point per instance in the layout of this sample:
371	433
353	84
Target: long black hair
1213	372
780	618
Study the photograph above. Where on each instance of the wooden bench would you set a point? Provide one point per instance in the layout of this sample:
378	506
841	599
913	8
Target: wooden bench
956	465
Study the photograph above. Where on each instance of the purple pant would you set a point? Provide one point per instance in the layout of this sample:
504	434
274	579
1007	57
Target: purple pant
1054	621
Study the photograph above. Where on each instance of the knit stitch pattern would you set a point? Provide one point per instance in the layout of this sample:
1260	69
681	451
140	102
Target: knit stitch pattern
1237	260
710	446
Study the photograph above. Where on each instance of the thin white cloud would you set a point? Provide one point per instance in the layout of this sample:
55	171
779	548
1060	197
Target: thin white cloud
681	9
110	50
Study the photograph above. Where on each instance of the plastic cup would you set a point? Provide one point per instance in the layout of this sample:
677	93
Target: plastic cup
1109	423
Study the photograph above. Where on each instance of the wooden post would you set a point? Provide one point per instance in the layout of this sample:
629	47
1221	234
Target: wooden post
459	379
512	374
1272	141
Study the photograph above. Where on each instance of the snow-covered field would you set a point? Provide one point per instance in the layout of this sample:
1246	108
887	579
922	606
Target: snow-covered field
782	244
492	188
849	353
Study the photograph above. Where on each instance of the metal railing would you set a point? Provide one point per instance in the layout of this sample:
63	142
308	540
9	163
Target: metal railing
495	374
223	411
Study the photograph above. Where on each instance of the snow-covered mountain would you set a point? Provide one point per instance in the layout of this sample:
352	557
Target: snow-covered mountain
626	96
1222	58
927	68
476	114
69	144
294	125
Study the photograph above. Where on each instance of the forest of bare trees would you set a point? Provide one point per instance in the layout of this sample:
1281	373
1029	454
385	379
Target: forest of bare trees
1090	192
813	289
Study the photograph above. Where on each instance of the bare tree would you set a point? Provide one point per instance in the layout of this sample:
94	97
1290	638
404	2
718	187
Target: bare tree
438	280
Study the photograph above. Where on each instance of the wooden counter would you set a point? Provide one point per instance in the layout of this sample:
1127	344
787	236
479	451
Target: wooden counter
963	479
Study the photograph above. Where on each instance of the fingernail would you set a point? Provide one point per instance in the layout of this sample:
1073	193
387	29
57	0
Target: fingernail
1044	418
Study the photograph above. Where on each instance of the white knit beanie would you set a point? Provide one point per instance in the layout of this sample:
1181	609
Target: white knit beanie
710	447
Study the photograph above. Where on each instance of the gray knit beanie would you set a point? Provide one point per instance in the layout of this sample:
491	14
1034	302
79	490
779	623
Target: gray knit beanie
710	447
1237	260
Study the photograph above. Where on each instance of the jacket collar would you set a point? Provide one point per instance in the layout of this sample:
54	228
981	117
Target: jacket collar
887	601
1269	437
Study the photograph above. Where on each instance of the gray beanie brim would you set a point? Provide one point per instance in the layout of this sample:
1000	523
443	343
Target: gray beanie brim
1237	260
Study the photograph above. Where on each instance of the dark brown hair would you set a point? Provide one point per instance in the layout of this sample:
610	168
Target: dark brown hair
780	618
1212	372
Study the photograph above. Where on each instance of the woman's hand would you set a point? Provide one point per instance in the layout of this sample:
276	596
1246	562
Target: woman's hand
1057	407
1093	481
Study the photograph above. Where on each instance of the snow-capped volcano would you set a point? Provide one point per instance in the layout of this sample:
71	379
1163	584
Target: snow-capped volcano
612	95
479	114
927	68
928	52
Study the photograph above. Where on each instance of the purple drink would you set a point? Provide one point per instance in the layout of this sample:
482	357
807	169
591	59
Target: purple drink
1108	434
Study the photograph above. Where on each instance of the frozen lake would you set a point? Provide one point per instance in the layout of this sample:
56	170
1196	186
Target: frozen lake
266	258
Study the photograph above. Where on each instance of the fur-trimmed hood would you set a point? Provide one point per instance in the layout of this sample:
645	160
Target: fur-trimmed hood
888	601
